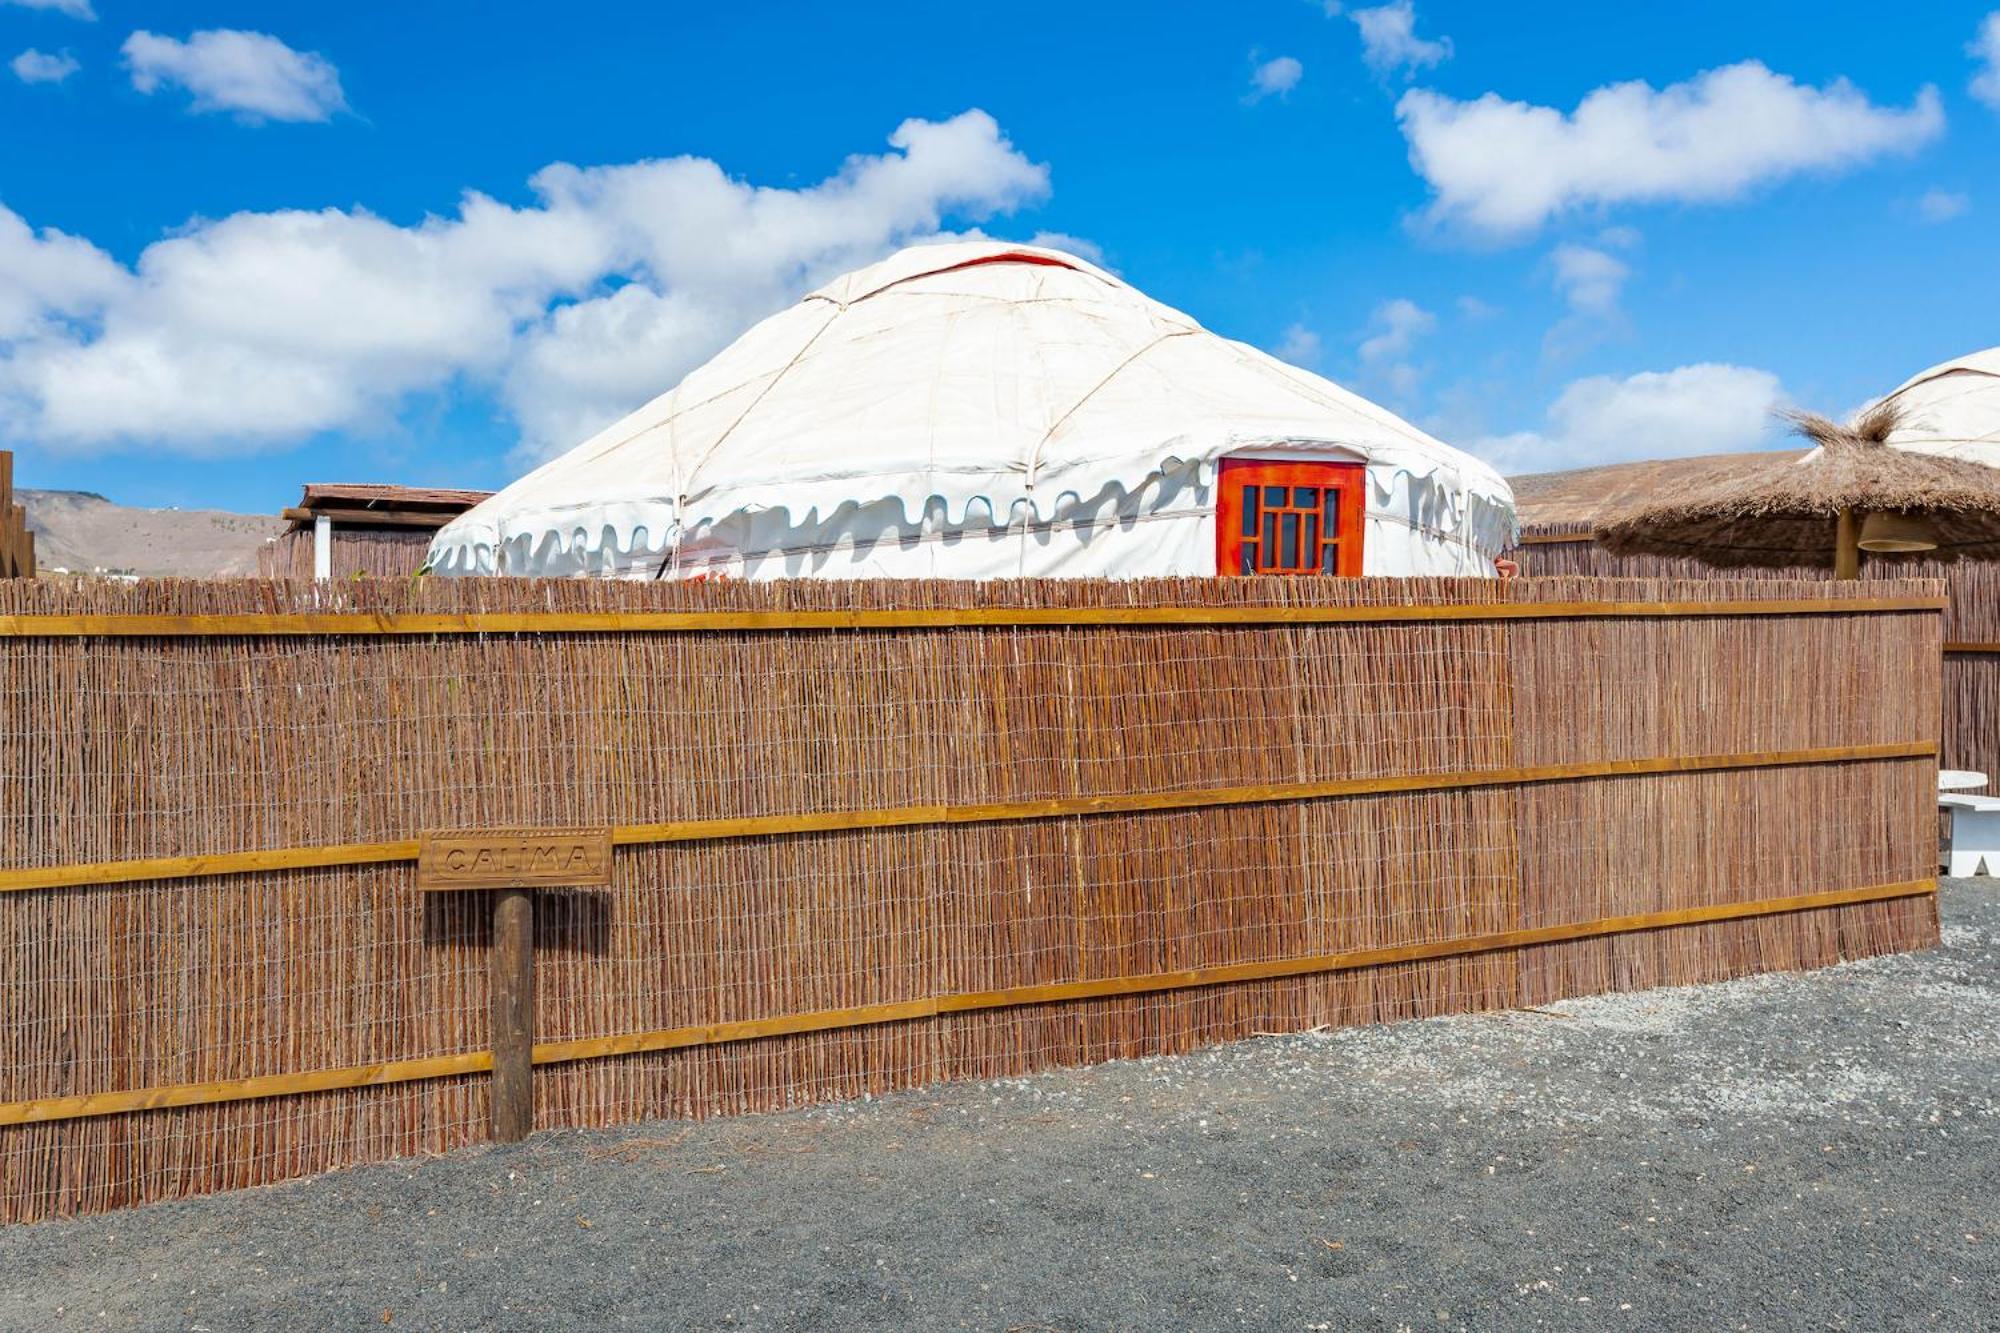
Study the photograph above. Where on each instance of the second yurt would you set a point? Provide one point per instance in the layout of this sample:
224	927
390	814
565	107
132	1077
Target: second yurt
983	410
1952	409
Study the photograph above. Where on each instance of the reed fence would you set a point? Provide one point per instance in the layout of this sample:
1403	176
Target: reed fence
356	552
873	835
1969	727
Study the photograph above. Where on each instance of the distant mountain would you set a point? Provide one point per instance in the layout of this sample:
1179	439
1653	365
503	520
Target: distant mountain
84	533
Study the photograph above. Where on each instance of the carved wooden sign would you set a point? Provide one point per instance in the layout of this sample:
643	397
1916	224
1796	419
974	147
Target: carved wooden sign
514	858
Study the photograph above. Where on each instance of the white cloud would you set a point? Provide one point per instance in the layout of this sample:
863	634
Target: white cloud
49	280
1274	78
1985	48
1389	40
1697	409
76	9
33	66
1300	346
1589	280
1475	309
252	74
1398	324
1942	205
1504	168
261	329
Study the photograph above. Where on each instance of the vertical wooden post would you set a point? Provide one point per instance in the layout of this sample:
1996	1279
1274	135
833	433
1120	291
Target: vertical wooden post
1847	546
513	964
510	863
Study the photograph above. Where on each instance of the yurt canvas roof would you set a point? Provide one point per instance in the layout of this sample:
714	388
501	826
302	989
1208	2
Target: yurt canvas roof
1953	409
996	381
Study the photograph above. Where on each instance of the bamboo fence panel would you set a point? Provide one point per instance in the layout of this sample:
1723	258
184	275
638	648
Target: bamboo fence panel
140	747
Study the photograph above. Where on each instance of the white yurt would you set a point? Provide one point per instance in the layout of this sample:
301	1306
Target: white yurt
984	410
1953	409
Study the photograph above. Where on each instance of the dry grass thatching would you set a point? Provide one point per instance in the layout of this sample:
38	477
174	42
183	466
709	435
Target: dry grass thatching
1785	512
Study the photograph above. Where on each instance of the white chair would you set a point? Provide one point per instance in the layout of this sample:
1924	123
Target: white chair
1975	834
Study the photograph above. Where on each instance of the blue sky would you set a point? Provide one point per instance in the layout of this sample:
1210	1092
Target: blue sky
245	246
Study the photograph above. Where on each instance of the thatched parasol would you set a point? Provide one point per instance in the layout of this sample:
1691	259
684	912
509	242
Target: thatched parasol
1853	493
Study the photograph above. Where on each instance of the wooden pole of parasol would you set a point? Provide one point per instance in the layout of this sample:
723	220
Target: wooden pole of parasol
1847	546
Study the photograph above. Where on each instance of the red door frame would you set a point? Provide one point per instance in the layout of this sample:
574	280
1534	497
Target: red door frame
1264	547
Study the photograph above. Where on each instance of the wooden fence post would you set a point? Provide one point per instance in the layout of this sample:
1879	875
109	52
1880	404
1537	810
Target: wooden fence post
511	862
513	967
17	544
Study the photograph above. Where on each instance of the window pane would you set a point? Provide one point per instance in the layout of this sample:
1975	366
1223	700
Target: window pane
1270	546
1305	497
1288	543
1332	512
1249	559
1249	497
1329	558
1274	496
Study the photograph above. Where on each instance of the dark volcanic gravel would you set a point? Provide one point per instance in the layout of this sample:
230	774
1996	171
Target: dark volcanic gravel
1798	1152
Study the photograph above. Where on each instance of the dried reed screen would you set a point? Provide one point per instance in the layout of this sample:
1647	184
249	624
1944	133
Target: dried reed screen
1970	726
355	552
1770	757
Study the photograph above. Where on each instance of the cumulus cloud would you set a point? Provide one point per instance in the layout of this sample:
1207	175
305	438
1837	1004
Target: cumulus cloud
260	329
1985	48
1389	40
1504	168
1699	409
33	66
1273	78
250	74
76	9
1300	346
48	280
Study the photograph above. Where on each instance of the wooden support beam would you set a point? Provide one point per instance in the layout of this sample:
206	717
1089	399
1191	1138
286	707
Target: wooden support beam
366	518
1847	545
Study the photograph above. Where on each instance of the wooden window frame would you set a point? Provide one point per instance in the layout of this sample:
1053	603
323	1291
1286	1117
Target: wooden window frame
1235	476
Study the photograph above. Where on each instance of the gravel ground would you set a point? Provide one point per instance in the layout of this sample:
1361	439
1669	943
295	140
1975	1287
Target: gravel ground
1797	1152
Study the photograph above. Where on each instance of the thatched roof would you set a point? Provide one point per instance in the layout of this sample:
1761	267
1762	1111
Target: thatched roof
1784	512
1576	500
